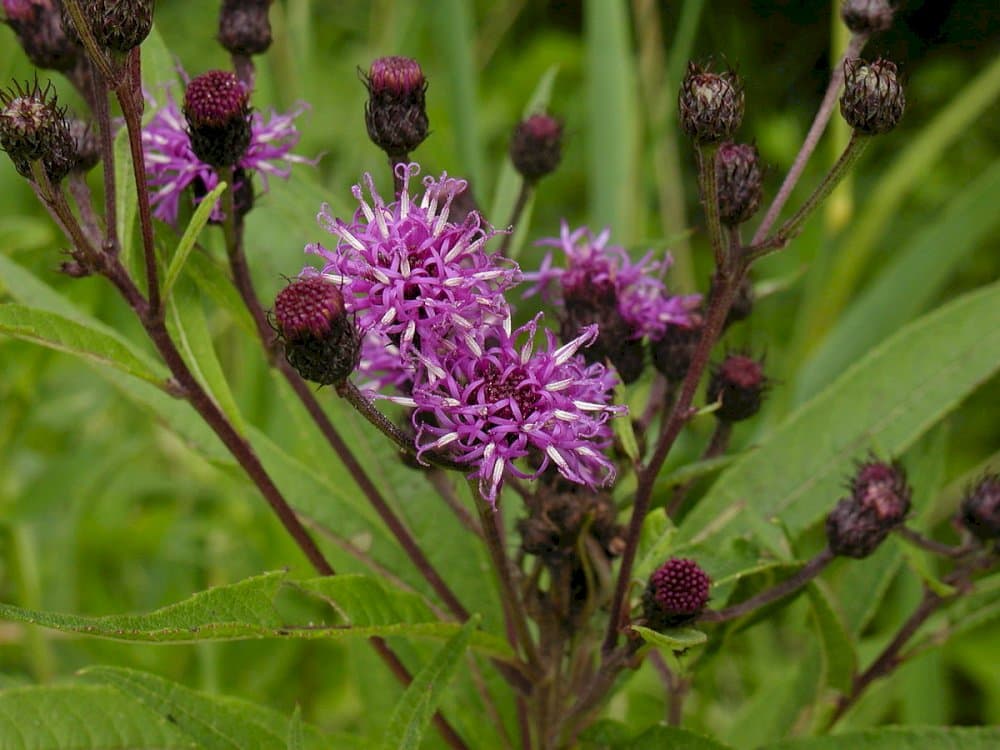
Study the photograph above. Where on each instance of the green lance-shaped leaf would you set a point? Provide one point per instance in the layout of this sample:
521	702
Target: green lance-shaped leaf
614	735
839	656
190	237
91	343
414	711
245	610
899	738
82	717
886	400
672	639
211	722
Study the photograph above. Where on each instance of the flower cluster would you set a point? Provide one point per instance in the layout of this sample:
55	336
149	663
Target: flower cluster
172	167
430	302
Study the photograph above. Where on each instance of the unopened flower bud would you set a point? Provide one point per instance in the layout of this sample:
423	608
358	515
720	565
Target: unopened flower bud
217	108
39	28
879	502
244	27
980	512
321	340
739	182
536	146
738	384
676	594
117	25
866	16
396	113
33	128
596	303
86	145
673	351
873	99
711	104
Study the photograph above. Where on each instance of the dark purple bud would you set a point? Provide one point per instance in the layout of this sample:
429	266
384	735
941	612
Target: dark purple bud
33	128
866	16
739	181
739	384
217	108
589	303
672	352
873	99
980	512
396	113
676	594
711	104
244	27
39	28
562	514
536	146
879	502
321	339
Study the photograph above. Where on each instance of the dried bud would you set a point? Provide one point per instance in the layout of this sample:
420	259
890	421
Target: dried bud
676	594
879	501
980	512
217	108
33	128
739	181
39	28
562	514
672	352
866	16
396	113
86	145
711	104
536	146
117	25
873	100
321	340
244	28
589	303
739	384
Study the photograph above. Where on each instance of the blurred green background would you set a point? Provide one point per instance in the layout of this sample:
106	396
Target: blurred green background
104	510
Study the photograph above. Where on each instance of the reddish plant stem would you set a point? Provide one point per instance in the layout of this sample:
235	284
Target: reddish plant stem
793	583
728	285
937	548
244	284
397	178
523	195
102	114
812	139
129	94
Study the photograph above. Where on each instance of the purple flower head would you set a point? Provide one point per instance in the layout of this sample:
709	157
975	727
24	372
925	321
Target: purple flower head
410	275
490	400
172	167
599	273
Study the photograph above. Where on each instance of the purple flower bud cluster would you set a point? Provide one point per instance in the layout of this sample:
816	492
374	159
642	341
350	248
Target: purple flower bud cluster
432	305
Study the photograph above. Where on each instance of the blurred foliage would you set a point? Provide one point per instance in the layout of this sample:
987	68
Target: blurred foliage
104	510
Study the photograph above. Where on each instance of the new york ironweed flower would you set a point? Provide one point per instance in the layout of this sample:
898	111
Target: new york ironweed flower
408	273
172	167
491	399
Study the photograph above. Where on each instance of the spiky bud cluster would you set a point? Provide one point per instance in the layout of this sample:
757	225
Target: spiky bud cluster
866	16
710	104
217	108
873	99
597	303
739	182
33	128
878	503
677	593
39	28
117	25
739	384
980	511
536	146
396	112
673	351
321	340
244	26
562	514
